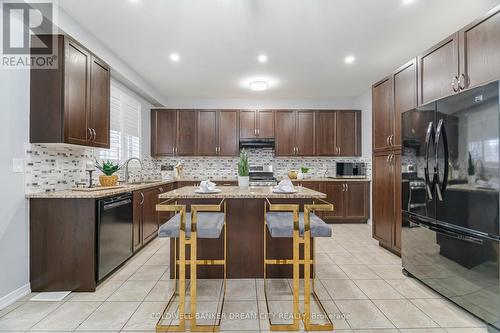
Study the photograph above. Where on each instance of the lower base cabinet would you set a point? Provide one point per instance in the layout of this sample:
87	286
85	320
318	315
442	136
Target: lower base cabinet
146	219
351	200
387	199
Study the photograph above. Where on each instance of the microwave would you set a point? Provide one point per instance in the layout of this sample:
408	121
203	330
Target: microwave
350	170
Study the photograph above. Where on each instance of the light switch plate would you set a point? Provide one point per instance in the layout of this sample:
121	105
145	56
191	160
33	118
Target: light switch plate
18	165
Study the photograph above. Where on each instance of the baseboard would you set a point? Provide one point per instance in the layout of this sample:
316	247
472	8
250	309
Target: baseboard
14	296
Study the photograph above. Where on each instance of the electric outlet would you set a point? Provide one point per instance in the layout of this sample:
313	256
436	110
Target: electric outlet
18	165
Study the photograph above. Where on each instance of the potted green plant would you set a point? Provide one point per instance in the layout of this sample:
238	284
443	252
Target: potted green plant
302	173
471	171
108	169
243	177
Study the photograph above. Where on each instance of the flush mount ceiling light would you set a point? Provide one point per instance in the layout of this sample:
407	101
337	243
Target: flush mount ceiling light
258	85
349	59
174	57
262	58
407	2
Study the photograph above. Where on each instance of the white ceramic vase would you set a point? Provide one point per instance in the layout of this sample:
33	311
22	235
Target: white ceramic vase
471	180
243	181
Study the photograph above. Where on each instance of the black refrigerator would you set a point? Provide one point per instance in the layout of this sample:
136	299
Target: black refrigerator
450	204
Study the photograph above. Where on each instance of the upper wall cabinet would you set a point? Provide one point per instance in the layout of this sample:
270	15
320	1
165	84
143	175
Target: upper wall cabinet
294	133
405	94
383	115
256	124
480	51
218	133
464	60
194	132
338	133
438	70
70	104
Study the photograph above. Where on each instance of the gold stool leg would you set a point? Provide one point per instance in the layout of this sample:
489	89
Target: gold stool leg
307	282
295	262
181	327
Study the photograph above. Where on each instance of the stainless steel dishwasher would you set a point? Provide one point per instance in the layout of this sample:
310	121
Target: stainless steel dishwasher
114	233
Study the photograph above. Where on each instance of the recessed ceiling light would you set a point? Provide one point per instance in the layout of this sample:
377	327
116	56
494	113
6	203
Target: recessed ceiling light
262	58
349	59
175	57
134	1
407	2
258	85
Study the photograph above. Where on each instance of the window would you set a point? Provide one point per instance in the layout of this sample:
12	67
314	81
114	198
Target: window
125	129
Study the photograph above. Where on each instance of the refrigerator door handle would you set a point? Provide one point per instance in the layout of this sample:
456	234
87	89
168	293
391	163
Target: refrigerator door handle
441	134
429	135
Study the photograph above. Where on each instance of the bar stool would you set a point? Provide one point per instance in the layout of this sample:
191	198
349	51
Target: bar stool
204	221
286	221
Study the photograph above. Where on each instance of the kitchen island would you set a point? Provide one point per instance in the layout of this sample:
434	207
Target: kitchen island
244	230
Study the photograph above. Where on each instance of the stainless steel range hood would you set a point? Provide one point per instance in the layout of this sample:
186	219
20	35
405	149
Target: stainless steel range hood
256	143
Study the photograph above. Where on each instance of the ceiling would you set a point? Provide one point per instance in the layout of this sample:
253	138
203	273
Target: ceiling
306	41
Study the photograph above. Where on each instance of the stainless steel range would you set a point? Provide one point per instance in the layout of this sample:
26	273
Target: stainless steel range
262	175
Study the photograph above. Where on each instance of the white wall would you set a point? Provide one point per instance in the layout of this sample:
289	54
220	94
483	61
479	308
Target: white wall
14	227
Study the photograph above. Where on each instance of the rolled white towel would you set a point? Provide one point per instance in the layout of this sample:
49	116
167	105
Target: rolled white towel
284	186
207	186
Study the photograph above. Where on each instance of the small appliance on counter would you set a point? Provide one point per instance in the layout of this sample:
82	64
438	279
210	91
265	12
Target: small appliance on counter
350	170
262	175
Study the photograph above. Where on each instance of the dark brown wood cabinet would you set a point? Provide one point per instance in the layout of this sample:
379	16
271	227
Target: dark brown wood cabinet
71	103
383	114
228	133
338	133
186	133
256	124
325	133
99	118
348	133
405	95
218	133
163	132
438	71
351	200
387	200
207	133
294	131
480	50
146	220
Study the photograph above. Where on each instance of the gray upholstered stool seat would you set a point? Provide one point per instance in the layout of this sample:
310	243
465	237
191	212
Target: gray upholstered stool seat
209	225
280	224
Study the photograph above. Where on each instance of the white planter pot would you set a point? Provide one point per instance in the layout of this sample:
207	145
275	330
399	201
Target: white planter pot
243	181
300	176
471	180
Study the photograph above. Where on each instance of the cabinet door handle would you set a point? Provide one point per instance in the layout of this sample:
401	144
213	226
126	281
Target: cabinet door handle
161	189
455	84
90	134
95	134
387	140
462	81
173	150
142	199
392	140
346	187
297	150
255	132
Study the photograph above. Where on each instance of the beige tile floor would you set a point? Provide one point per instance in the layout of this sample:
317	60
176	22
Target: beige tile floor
360	284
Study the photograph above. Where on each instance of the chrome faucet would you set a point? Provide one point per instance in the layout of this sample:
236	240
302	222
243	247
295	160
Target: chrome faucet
126	168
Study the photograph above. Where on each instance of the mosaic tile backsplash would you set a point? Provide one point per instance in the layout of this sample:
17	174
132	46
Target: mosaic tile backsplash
52	167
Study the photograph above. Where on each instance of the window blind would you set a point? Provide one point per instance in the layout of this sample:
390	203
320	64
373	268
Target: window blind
125	127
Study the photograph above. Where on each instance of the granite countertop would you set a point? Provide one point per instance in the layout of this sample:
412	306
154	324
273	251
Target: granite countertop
235	192
70	194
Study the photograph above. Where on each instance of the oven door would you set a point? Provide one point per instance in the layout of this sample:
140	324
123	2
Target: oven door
459	264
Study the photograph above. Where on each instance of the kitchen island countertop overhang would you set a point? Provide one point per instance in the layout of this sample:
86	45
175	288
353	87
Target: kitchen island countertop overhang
236	192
